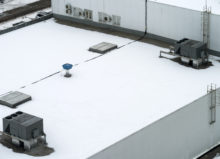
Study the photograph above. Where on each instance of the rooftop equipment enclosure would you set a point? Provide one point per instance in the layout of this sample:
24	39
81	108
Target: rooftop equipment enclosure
23	126
191	49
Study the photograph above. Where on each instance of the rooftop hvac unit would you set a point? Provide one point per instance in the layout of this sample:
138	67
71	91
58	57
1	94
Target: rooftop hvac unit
190	51
24	129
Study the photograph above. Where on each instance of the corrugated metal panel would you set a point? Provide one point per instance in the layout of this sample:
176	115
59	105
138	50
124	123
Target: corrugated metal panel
132	12
215	32
160	19
173	22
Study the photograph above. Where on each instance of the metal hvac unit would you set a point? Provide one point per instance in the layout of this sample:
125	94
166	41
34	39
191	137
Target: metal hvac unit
190	48
24	129
190	51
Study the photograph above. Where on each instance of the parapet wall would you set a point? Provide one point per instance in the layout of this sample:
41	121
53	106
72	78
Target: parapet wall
176	23
160	21
184	134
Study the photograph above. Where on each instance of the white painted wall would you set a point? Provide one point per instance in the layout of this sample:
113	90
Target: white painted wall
132	12
215	32
162	20
183	134
173	22
176	23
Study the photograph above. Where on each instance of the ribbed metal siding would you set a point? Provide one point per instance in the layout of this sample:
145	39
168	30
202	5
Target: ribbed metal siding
132	12
173	22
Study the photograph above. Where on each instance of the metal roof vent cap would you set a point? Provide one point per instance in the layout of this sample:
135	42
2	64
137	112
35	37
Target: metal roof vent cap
67	67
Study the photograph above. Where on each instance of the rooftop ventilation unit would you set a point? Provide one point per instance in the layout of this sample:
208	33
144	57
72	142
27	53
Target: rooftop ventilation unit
190	51
67	67
24	129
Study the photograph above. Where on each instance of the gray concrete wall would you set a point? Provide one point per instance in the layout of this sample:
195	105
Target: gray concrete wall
183	134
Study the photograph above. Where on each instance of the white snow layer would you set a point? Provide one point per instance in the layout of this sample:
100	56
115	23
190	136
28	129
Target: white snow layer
194	4
11	4
217	156
106	100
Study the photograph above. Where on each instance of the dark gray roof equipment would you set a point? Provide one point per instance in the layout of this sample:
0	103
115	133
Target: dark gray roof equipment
190	52
191	49
24	129
14	99
103	47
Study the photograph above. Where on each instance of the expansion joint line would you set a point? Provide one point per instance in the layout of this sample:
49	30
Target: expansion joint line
91	59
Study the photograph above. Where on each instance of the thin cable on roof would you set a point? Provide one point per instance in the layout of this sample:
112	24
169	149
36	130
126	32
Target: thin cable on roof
139	39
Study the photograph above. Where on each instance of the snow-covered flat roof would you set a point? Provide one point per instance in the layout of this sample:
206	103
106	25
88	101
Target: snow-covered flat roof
194	4
106	100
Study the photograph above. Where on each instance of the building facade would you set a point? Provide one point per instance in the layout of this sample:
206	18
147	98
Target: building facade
161	21
189	131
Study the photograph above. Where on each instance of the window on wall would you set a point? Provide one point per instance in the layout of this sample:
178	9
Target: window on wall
116	20
68	9
88	14
77	12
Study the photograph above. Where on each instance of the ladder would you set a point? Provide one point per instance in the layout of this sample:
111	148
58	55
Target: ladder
212	90
206	24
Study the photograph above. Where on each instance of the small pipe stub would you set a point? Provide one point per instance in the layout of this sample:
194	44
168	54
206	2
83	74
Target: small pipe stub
67	67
